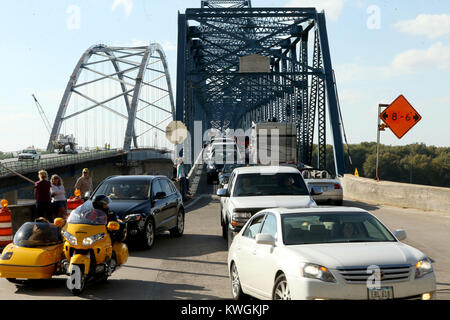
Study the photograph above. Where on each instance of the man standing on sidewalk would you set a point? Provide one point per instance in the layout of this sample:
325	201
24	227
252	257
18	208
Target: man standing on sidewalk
181	176
84	183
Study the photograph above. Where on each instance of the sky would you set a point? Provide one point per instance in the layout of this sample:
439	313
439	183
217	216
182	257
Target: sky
379	48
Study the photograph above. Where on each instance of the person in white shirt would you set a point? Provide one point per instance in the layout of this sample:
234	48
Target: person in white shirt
58	193
181	176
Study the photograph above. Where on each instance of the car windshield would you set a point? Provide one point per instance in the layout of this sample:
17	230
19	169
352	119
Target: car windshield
28	151
86	214
37	234
333	228
125	190
279	184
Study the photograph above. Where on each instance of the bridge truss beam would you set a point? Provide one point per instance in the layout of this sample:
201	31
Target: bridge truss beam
298	87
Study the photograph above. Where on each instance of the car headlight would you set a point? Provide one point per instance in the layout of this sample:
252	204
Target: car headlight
239	219
314	271
88	241
423	267
133	217
71	238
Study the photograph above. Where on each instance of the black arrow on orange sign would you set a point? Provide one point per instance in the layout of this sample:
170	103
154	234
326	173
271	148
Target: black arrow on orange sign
385	116
416	117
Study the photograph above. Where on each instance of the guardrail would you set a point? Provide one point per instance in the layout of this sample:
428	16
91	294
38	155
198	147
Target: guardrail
27	166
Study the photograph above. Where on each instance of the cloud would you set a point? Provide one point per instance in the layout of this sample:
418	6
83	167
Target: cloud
127	4
432	26
436	57
333	8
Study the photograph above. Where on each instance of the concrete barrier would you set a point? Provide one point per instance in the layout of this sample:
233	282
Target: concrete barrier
397	194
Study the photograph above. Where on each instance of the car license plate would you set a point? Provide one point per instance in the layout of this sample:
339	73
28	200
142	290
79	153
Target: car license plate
383	293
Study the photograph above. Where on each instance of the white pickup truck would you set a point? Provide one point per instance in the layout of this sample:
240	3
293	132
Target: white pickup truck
252	189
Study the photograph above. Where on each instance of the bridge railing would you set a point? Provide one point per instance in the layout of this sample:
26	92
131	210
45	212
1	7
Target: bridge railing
27	166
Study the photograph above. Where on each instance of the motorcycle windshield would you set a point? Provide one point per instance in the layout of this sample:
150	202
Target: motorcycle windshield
86	214
37	234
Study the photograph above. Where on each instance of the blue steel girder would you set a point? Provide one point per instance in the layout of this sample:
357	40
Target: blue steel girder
212	41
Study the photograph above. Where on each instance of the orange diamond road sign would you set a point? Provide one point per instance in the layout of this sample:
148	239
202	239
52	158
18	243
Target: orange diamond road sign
400	116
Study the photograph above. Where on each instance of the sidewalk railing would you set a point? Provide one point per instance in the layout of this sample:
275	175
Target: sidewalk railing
27	166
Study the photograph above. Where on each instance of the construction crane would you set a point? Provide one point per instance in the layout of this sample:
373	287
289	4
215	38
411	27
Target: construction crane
64	143
42	114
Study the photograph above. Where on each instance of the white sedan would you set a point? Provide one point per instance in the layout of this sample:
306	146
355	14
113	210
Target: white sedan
326	253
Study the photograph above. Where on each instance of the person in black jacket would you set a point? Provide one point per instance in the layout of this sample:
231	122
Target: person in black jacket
101	202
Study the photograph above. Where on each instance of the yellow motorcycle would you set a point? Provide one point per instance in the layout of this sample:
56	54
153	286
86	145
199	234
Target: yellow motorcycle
93	247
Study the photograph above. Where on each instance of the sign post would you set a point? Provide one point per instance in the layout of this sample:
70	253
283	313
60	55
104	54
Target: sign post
400	117
379	129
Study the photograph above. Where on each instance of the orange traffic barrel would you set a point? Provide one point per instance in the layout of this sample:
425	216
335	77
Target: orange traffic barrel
6	234
74	202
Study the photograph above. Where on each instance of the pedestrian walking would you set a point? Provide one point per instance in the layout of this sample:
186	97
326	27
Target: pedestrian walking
59	199
181	177
84	183
42	196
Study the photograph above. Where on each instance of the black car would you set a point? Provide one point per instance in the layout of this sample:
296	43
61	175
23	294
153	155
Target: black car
147	204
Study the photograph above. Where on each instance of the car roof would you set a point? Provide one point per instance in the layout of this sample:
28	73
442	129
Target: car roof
134	177
285	211
266	169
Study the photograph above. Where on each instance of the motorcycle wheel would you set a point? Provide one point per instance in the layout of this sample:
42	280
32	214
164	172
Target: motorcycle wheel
77	292
111	267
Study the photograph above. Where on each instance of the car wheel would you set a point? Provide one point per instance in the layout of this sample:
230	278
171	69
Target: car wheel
149	234
178	230
229	238
281	289
224	229
236	289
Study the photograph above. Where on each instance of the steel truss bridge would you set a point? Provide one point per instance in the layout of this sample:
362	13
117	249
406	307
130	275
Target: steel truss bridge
120	96
296	85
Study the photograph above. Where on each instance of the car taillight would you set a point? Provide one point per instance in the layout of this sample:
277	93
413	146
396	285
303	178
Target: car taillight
337	186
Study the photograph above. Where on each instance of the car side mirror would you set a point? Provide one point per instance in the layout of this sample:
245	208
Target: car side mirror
160	195
264	238
400	234
222	193
314	192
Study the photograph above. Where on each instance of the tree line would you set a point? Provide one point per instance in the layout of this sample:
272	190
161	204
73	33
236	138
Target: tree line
415	163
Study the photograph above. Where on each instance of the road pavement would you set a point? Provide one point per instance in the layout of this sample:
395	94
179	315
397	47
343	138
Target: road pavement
194	266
